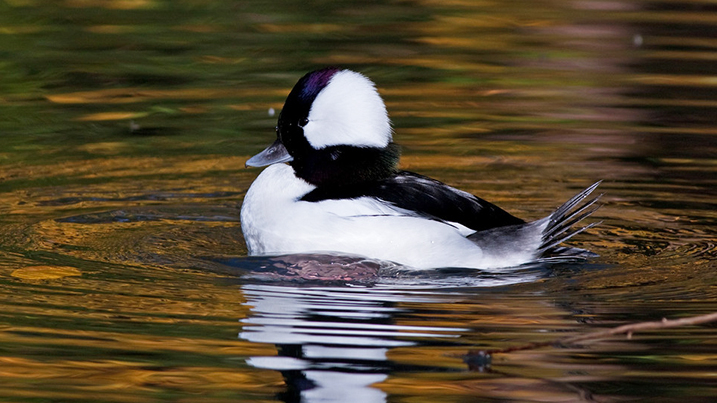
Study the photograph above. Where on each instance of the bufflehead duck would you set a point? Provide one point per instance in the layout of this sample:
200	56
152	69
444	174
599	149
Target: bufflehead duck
341	191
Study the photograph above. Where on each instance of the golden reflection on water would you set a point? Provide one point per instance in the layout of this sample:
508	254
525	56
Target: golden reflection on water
112	4
122	166
45	272
432	388
133	95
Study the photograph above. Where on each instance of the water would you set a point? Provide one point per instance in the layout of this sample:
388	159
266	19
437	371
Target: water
125	127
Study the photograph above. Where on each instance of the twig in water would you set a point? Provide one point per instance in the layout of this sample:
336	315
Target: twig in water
483	356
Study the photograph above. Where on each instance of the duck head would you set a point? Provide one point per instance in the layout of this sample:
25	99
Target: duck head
333	130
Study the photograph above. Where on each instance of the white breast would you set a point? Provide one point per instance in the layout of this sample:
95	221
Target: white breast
274	221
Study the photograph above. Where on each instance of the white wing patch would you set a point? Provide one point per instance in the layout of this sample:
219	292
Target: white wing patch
372	207
361	207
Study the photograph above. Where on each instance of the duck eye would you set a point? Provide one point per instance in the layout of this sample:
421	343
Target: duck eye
303	122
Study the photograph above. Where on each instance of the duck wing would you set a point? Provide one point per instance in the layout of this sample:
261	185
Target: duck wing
424	196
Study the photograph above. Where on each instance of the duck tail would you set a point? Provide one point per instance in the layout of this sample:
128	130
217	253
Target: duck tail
539	241
559	224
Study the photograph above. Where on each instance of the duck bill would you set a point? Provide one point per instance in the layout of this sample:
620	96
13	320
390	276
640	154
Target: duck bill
273	154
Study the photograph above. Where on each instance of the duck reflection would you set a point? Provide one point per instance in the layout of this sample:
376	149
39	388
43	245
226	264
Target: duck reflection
332	342
334	319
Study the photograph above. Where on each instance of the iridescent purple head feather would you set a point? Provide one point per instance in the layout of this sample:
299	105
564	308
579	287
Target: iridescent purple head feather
312	83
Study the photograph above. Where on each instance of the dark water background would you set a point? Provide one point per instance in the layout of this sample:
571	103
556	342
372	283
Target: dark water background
125	124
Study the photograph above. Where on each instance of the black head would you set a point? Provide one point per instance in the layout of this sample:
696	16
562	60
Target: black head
334	131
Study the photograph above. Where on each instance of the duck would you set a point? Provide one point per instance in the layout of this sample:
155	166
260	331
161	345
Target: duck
332	185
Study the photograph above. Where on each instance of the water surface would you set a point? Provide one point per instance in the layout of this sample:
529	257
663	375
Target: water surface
125	127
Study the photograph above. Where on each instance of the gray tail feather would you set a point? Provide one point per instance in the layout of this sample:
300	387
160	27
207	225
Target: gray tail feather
560	222
540	240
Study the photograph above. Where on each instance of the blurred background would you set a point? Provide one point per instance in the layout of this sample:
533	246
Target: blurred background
125	125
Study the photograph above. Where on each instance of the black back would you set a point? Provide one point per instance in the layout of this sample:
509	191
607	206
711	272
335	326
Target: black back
425	196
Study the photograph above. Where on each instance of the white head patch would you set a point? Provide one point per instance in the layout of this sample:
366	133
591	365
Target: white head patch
348	111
